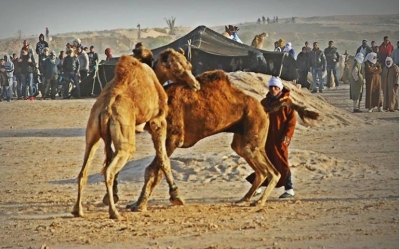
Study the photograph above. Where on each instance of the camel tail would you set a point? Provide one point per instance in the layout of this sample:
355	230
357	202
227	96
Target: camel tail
104	121
301	110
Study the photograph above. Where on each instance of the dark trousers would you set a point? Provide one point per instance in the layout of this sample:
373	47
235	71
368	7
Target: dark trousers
329	70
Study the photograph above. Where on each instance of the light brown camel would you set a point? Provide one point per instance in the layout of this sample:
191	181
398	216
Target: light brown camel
258	40
133	97
217	107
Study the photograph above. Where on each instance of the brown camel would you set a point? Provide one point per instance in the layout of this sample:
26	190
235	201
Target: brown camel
143	54
217	107
133	97
258	40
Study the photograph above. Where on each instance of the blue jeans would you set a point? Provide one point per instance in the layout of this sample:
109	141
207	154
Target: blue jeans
317	72
67	79
27	78
6	92
329	69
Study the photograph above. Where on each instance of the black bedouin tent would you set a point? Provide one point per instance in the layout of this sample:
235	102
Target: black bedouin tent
207	50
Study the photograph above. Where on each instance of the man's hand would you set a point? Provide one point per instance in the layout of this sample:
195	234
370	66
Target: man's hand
286	141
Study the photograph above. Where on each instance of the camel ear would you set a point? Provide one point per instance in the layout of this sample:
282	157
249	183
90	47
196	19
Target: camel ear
180	50
226	29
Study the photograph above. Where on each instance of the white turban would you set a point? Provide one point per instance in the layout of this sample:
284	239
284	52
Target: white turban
359	58
276	81
288	47
372	57
391	61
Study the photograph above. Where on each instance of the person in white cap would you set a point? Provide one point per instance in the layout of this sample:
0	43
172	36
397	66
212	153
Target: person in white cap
390	85
373	72
357	82
281	129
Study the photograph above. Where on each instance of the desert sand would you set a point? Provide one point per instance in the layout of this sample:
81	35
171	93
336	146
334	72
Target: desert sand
345	167
345	170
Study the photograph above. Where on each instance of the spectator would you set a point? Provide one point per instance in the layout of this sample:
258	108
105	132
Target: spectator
302	67
385	50
374	47
308	49
40	49
258	64
17	75
26	45
395	54
9	67
83	63
390	85
281	43
357	82
4	83
93	59
86	49
364	49
277	48
288	48
373	82
27	62
108	54
317	63
71	72
50	71
263	19
47	34
332	59
281	129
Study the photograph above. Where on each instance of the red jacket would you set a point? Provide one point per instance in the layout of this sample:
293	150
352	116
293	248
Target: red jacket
385	51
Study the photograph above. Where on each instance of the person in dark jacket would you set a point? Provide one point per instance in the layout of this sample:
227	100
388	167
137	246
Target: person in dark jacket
4	83
258	62
332	59
40	49
317	63
27	62
302	67
17	75
71	72
50	71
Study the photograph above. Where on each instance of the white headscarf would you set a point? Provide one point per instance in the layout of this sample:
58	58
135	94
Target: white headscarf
288	47
372	57
359	58
391	62
276	81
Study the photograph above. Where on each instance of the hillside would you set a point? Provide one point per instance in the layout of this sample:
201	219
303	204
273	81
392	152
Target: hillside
346	31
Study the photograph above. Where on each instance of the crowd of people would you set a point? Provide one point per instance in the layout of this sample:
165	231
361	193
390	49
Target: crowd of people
29	73
378	66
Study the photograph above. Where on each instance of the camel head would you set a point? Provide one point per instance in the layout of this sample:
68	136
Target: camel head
173	65
143	54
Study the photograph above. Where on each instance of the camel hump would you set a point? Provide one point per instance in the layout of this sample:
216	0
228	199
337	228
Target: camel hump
213	76
125	65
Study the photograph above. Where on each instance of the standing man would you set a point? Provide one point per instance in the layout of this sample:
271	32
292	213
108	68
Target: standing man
356	79
280	131
40	49
317	62
395	54
385	50
93	59
308	49
302	67
83	63
71	72
364	49
390	85
47	34
332	59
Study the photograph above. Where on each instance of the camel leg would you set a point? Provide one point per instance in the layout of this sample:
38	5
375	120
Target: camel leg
152	177
92	143
158	131
238	146
123	138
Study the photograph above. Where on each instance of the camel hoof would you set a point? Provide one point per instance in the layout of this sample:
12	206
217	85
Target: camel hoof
257	204
107	202
77	213
115	216
134	207
177	201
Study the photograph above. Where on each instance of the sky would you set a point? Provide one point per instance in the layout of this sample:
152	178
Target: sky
62	16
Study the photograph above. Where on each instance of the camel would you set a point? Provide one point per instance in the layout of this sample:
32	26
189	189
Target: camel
217	107
133	97
258	40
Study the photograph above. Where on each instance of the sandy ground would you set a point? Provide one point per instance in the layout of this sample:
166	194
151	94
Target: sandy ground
345	170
